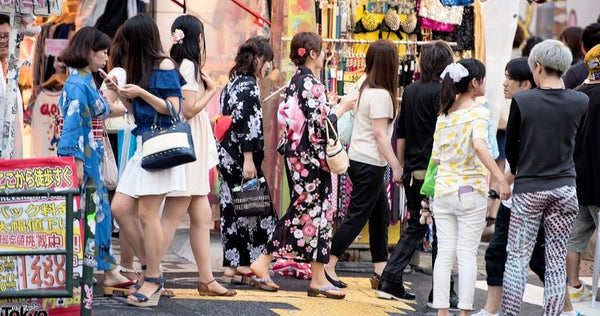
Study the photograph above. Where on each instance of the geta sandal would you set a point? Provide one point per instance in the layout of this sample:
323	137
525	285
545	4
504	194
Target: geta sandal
325	291
238	278
122	288
263	284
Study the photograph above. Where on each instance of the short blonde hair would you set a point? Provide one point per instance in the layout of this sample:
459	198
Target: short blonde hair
553	55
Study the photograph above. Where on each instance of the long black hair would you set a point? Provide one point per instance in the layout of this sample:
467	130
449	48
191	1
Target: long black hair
450	88
189	49
143	50
246	59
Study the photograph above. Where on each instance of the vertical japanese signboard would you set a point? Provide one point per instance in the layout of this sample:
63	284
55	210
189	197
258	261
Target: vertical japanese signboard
38	223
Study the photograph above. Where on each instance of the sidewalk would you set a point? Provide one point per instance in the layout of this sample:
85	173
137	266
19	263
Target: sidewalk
180	268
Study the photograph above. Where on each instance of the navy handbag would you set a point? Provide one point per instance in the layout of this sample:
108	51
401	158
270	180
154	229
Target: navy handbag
164	148
456	2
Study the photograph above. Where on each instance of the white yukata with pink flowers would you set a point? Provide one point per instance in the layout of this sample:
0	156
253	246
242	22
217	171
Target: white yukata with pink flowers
304	232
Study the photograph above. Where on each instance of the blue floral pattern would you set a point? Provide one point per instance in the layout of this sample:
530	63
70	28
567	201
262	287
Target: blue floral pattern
79	102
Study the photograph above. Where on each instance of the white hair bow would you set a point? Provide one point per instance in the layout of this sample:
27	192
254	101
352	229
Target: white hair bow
456	72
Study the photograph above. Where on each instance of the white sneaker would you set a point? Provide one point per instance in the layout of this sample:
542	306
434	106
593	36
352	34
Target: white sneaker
483	312
580	294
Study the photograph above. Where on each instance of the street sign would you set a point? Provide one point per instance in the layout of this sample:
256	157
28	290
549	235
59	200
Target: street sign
40	233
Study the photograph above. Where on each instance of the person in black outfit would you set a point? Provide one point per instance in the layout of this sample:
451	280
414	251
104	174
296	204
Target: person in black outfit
415	127
577	74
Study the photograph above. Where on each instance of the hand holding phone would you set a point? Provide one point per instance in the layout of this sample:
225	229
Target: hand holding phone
110	83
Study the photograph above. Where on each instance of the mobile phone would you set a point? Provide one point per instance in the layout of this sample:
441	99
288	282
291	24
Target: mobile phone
103	74
465	189
106	77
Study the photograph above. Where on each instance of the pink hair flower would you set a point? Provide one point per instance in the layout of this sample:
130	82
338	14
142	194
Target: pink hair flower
177	36
301	51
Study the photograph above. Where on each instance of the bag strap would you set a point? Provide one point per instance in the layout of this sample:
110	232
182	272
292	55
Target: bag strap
174	115
332	128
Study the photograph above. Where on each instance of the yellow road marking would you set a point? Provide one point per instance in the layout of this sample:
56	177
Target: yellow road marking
360	299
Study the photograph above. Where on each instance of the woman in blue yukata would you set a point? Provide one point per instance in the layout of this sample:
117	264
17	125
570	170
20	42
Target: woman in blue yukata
79	103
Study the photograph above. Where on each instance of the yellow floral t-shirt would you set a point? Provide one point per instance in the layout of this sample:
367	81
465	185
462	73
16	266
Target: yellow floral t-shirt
453	146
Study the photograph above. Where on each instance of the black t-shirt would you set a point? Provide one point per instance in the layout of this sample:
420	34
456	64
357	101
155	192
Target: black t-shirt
587	150
416	123
575	75
540	137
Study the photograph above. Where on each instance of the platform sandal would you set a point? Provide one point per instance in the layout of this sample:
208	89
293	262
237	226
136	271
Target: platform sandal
142	300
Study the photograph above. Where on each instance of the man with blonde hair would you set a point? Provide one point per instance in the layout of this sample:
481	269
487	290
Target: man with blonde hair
540	140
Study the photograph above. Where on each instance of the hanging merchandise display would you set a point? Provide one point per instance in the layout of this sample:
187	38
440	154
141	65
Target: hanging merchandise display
391	24
367	23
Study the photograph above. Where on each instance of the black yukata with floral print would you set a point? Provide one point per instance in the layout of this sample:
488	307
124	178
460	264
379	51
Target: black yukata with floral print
243	238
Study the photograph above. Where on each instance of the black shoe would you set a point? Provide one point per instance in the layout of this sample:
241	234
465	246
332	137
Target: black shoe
338	283
453	300
391	291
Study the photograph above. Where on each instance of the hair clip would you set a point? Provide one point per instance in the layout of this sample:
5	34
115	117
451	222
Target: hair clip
177	36
456	72
301	51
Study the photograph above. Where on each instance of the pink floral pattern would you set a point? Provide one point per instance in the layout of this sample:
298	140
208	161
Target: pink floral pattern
304	232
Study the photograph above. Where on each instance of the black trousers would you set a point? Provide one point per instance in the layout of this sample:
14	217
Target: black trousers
368	202
495	255
412	237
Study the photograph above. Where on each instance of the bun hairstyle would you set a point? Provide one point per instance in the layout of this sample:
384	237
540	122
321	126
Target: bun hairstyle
301	45
246	59
453	83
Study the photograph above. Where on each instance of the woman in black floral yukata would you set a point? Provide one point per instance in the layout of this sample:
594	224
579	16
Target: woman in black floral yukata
241	153
304	232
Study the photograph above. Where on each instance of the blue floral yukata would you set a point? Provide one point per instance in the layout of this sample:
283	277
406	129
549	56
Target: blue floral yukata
79	102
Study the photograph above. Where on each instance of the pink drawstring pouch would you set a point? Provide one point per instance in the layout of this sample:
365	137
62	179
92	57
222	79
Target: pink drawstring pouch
291	118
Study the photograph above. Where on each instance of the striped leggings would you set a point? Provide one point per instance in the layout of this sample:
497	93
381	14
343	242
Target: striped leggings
559	208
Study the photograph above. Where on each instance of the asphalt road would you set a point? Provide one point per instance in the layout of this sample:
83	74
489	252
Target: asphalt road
290	300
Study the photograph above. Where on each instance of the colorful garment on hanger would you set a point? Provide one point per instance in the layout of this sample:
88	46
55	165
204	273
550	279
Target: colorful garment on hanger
463	34
436	11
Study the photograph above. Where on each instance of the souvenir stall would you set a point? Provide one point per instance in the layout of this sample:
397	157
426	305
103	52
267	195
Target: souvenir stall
349	26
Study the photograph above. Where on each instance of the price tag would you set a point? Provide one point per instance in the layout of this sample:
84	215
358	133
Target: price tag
42	272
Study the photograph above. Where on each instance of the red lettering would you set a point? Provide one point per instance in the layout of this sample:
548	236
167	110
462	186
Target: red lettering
49	109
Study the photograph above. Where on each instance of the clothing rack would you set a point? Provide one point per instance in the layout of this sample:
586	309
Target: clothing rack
363	41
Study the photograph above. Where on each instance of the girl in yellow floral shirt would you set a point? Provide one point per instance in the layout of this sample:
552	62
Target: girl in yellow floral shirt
460	149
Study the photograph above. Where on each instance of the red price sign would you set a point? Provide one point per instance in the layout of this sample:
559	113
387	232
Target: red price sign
42	272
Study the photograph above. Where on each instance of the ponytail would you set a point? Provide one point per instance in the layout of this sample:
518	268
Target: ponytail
456	79
447	95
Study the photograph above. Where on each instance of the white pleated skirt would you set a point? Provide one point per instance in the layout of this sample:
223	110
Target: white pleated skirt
137	181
